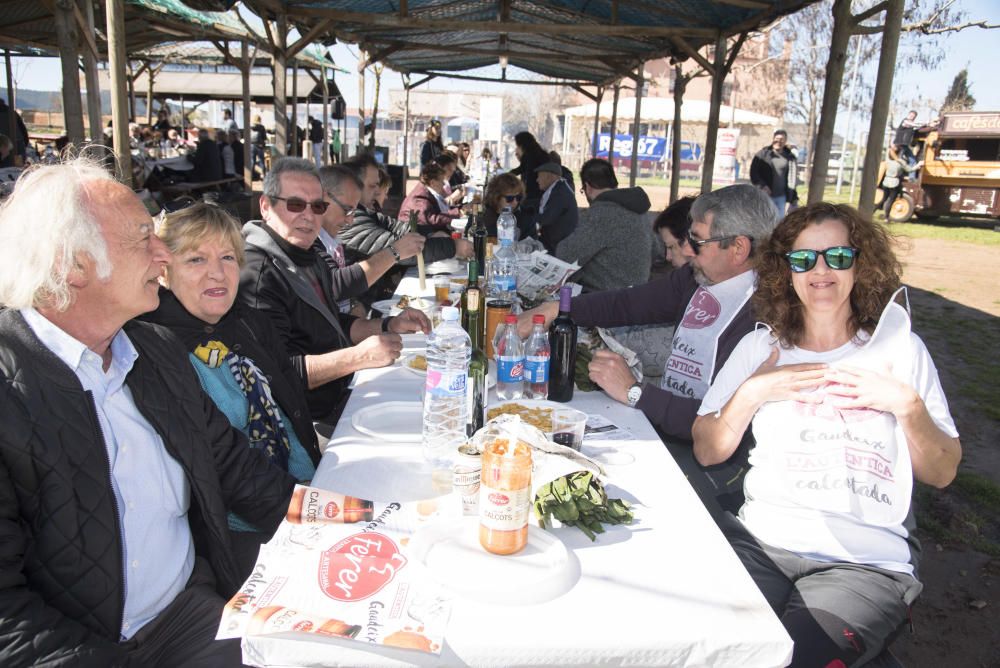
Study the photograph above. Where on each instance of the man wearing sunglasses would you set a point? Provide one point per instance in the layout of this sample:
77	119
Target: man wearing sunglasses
373	235
709	302
557	211
285	278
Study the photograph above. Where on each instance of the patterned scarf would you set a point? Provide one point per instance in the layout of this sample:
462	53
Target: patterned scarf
265	428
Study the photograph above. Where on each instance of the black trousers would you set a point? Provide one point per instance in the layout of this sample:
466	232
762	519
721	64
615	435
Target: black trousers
184	633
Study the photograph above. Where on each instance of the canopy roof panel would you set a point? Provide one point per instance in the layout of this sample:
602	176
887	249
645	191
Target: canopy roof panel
581	41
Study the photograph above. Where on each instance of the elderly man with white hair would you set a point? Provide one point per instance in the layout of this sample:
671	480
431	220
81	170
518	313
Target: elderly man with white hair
116	470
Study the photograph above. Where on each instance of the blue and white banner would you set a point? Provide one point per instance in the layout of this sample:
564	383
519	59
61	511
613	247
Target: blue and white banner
650	148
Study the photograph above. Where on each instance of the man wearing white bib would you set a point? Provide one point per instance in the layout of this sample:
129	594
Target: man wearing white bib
709	301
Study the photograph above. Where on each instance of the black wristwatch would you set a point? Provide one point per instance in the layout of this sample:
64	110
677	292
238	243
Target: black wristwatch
385	323
395	253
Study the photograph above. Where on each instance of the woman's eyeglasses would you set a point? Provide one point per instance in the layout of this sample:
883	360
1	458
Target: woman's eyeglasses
696	244
513	198
836	257
298	205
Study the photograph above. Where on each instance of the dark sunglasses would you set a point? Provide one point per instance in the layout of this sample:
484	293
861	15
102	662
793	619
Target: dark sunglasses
696	244
348	211
837	257
298	205
513	198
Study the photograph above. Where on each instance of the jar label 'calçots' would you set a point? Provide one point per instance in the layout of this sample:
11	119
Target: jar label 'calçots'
504	510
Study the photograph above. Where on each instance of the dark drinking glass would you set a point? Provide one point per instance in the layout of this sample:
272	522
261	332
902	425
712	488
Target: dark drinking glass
562	340
479	243
476	386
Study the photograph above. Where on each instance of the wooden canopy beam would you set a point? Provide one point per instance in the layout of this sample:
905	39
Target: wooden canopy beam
683	45
307	39
583	91
394	22
746	4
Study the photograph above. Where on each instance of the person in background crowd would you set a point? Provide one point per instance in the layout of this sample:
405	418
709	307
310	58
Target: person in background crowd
259	145
316	137
613	240
432	146
228	122
236	143
375	237
382	193
557	211
206	159
458	177
290	283
226	154
672	225
116	469
904	137
896	169
434	213
833	382
448	162
163	121
530	156
486	166
354	277
567	174
505	190
709	302
238	356
774	170
20	139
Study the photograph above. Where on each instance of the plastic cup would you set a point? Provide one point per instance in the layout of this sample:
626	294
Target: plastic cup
568	425
442	287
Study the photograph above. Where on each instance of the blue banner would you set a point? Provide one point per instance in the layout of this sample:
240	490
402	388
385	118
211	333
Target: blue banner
650	148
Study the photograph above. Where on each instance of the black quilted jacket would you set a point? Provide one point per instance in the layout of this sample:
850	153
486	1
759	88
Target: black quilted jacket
61	576
372	231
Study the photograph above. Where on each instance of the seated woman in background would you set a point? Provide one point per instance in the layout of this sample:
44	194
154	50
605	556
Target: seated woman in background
846	409
505	190
672	227
434	213
239	358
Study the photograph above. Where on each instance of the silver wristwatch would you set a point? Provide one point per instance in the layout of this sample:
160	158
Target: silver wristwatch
634	393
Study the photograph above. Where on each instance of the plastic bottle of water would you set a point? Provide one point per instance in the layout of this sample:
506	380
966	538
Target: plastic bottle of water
506	226
503	272
536	361
510	362
446	409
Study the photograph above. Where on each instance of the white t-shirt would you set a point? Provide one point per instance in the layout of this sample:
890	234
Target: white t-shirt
825	483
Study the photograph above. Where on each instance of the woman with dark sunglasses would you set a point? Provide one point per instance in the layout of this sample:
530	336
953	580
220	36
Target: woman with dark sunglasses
505	190
846	408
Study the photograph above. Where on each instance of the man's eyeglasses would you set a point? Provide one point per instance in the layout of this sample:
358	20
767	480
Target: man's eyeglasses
348	211
696	244
836	257
298	205
513	198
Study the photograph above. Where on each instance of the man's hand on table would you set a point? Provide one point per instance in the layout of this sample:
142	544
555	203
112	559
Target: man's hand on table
609	370
410	320
378	351
464	249
409	245
549	309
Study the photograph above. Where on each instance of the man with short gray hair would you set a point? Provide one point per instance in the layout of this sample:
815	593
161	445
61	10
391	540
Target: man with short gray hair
709	301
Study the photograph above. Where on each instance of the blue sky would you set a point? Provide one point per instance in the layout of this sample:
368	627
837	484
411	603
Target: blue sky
977	49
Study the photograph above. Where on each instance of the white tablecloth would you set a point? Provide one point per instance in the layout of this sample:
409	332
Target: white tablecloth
665	591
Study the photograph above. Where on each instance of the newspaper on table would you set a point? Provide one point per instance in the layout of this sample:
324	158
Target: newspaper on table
600	428
540	275
338	567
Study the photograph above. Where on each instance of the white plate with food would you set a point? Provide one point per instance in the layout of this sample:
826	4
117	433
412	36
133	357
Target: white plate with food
396	305
417	363
392	421
451	554
536	412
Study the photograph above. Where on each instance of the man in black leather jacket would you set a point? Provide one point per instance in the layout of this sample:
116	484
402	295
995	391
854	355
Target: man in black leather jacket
116	470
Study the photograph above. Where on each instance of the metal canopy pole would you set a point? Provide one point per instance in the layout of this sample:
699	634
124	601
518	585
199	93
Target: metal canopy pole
326	117
67	36
12	103
296	148
91	80
880	106
245	76
115	14
613	132
639	82
597	120
406	121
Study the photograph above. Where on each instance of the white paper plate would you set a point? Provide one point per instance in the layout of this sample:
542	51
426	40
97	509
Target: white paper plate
452	555
393	421
386	306
491	373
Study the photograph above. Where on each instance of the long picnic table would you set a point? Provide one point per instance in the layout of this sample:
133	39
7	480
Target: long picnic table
666	590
